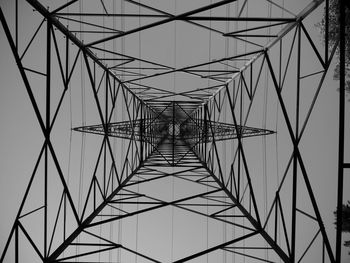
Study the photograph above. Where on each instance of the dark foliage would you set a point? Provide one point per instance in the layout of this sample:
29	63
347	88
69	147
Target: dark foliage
333	37
346	221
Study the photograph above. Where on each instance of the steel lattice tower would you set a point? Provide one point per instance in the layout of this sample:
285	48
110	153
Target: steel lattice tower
175	132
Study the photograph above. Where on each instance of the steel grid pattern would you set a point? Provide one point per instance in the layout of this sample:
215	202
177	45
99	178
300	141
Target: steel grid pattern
174	133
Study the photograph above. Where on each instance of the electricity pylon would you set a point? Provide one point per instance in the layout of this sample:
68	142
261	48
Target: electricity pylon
151	154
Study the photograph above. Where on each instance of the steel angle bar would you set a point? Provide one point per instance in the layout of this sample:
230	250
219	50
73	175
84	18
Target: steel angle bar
84	224
304	13
256	224
221	246
251	19
170	15
46	130
297	155
87	51
342	47
164	21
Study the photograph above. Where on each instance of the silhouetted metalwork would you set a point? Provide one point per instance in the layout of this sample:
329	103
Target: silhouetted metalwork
173	134
186	130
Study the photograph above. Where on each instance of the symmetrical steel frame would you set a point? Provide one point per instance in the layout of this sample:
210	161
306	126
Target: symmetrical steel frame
185	135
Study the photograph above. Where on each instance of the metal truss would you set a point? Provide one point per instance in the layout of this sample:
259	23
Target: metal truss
205	136
175	128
